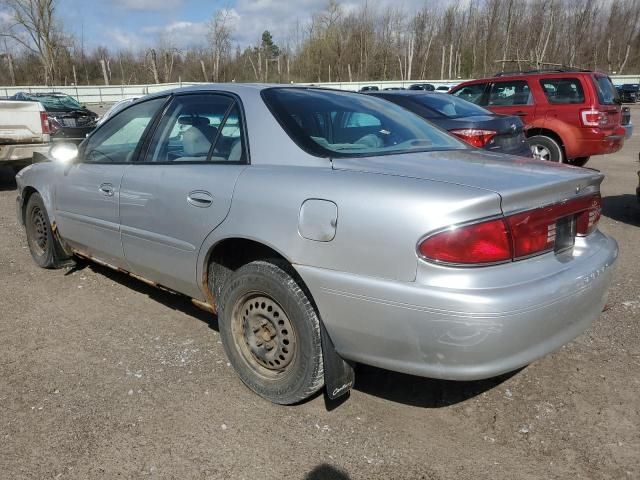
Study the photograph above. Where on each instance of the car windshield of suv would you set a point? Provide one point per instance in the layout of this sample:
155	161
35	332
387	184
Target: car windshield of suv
57	101
449	106
607	93
340	124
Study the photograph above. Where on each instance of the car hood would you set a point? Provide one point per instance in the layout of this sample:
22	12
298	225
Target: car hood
522	183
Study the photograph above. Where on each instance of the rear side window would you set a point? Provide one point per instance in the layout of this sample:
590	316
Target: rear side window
563	90
331	123
506	94
471	93
449	106
607	93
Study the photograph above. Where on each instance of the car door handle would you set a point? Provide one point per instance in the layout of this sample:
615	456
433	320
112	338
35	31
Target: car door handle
200	198
107	189
520	113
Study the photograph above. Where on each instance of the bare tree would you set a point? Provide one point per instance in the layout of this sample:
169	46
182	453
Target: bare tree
220	31
34	27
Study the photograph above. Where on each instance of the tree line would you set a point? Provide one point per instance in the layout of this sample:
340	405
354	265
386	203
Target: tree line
338	43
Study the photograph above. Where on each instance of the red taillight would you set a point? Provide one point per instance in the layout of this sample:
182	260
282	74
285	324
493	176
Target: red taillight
44	123
54	125
588	219
514	237
474	136
486	242
593	118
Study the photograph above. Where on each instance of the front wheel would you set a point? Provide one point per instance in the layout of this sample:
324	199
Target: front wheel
271	332
545	148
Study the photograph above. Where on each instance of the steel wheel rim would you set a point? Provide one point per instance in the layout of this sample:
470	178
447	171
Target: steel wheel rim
39	231
263	334
540	152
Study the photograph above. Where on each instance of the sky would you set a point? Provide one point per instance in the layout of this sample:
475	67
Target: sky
136	24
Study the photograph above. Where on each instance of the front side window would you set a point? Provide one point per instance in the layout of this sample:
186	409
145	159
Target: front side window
563	90
199	128
509	93
340	124
471	93
117	139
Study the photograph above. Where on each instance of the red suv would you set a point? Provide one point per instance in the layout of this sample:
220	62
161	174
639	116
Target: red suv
569	115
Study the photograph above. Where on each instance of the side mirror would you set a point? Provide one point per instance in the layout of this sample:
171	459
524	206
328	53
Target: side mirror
64	152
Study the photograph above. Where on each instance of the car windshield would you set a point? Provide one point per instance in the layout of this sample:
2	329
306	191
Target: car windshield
57	101
449	106
341	124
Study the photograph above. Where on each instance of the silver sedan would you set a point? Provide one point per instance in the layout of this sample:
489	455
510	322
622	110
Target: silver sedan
327	228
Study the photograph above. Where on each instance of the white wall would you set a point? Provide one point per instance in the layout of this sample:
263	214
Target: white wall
98	94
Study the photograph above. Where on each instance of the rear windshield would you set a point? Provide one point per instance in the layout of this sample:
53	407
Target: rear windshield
341	124
607	93
563	90
56	101
449	106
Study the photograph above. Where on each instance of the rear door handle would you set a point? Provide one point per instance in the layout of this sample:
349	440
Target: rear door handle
107	189
520	113
200	198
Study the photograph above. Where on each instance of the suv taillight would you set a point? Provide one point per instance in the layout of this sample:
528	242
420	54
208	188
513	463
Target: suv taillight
474	136
511	238
593	118
44	123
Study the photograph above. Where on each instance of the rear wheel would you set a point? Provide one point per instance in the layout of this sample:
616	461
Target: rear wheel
44	247
271	332
579	162
545	148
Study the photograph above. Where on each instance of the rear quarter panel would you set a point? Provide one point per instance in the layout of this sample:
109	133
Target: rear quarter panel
380	217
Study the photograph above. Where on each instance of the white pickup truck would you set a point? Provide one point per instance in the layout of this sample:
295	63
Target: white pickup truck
24	131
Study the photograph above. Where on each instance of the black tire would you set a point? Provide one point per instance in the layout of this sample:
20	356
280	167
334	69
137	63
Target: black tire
546	148
578	162
43	245
271	332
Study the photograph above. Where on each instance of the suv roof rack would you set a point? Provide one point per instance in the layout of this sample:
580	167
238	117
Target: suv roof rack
542	70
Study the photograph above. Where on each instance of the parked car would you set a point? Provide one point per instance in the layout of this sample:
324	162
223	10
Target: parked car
369	88
68	119
24	133
629	92
116	107
569	114
325	226
473	124
422	86
626	122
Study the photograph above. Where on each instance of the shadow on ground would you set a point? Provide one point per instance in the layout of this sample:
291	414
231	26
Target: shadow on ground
419	391
7	179
326	472
622	208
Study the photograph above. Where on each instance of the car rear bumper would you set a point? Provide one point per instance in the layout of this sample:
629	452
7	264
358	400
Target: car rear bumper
461	333
24	152
597	142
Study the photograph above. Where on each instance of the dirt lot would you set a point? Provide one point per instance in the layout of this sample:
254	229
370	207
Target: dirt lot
102	377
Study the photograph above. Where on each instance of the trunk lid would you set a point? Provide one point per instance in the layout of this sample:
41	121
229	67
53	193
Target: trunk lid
522	183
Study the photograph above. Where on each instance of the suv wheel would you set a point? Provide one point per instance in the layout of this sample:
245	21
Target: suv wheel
545	148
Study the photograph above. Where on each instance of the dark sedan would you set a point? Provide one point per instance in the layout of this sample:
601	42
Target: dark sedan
629	92
68	119
473	124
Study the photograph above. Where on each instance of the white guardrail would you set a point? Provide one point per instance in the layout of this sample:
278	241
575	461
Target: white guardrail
105	94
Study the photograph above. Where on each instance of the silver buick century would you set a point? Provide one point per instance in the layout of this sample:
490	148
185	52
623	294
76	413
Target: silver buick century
327	228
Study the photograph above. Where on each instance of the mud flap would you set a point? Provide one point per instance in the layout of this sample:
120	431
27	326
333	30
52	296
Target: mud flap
338	373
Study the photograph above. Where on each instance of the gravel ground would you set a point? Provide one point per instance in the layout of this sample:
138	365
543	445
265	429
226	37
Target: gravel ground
103	377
